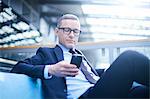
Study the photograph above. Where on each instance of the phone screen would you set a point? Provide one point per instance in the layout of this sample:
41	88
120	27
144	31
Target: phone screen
76	60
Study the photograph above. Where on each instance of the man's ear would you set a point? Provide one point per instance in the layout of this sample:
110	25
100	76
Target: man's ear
56	31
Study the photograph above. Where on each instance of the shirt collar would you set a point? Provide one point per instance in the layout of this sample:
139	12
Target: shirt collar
63	48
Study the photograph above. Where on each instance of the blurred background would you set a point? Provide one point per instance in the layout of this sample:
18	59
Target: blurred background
108	27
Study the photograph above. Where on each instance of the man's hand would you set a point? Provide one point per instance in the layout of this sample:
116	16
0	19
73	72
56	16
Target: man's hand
63	69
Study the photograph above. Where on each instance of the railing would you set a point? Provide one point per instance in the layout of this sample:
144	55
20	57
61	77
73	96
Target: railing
111	46
7	61
6	65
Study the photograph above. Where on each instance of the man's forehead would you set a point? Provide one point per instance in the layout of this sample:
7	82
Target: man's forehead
72	20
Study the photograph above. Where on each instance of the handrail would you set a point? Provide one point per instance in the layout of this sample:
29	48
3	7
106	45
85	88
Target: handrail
114	44
7	61
91	45
83	46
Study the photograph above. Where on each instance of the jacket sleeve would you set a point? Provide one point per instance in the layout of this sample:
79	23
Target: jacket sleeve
32	66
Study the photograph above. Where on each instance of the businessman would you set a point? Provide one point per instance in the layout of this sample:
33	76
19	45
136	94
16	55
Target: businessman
60	79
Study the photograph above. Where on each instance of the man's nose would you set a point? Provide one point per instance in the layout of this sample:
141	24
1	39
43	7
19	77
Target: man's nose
71	33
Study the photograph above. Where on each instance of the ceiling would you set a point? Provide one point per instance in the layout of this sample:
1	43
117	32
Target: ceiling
100	19
104	19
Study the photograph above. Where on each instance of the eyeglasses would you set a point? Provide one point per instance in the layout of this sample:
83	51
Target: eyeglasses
68	30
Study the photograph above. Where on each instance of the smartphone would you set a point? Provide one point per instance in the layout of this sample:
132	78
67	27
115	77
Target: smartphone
76	60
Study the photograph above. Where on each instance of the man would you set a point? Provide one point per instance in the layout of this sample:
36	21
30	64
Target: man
60	79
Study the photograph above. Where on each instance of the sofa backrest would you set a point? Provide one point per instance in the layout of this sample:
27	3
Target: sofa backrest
19	86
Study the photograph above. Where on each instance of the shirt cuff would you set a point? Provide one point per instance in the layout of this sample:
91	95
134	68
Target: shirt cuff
46	74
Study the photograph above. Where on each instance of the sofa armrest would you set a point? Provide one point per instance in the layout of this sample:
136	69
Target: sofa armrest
19	86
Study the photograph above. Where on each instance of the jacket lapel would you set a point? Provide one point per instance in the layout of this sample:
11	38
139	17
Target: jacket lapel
59	53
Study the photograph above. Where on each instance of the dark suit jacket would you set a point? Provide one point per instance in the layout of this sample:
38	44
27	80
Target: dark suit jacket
34	67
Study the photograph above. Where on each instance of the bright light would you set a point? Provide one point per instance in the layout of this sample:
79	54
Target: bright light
19	36
21	26
38	39
13	37
104	36
127	19
7	29
117	22
34	33
31	41
1	31
121	11
7	15
5	45
133	3
27	34
12	45
109	30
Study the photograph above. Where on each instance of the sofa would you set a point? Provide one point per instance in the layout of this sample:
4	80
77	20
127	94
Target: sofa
20	86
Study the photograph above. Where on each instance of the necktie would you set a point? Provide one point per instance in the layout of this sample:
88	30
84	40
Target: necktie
88	75
72	51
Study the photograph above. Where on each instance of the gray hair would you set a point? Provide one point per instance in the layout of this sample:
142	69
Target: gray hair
67	16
